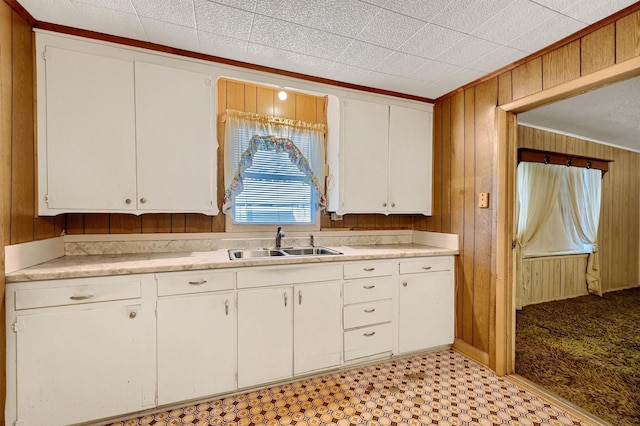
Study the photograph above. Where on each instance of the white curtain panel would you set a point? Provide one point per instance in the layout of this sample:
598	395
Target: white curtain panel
585	196
537	189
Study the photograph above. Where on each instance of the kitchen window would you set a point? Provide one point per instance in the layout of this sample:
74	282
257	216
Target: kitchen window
274	170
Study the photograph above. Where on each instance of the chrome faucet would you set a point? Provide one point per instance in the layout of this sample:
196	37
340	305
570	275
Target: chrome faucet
279	236
311	237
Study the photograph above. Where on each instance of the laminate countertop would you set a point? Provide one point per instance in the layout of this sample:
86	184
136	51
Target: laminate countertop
82	266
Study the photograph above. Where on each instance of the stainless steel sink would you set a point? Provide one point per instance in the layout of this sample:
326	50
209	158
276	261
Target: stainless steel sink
263	253
309	251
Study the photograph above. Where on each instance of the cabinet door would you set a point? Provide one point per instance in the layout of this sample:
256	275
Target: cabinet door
410	164
366	156
425	311
79	365
175	140
89	157
265	335
196	346
317	326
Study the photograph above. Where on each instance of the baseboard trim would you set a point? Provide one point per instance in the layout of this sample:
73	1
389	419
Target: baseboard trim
472	352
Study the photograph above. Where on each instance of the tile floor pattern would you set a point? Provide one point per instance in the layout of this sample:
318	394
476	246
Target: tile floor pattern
439	388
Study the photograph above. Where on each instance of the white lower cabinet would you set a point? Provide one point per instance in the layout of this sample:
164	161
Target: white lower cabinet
426	304
84	355
196	328
286	331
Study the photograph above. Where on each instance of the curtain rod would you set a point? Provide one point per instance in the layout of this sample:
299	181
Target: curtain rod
549	157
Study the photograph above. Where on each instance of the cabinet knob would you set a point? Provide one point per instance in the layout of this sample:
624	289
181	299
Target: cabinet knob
127	201
133	314
393	204
143	200
404	284
384	204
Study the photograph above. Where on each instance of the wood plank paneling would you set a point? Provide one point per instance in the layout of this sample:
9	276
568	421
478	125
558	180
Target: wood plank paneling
457	197
554	278
6	77
598	50
527	78
628	37
435	223
561	65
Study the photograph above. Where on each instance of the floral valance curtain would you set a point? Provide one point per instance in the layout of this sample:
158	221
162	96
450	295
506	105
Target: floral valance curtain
246	133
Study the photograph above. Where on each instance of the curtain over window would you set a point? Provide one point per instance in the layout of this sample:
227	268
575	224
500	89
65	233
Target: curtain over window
274	169
558	211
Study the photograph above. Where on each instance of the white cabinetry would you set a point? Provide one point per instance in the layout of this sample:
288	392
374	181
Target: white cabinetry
426	303
289	329
196	327
79	350
385	159
368	309
118	135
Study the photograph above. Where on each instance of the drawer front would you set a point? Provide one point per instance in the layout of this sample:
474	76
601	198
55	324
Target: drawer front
377	268
194	282
369	313
426	264
366	341
77	294
282	275
367	290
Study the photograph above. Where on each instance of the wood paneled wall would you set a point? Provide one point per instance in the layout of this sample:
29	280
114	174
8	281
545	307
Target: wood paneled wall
554	278
464	163
619	232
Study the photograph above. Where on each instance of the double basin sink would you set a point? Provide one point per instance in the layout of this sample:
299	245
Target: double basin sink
238	254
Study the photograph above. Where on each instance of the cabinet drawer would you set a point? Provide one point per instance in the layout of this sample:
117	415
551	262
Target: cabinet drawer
77	294
426	264
369	313
282	275
368	269
193	282
367	290
367	341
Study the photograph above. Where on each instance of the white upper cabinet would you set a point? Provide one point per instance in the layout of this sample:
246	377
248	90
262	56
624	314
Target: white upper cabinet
385	159
121	135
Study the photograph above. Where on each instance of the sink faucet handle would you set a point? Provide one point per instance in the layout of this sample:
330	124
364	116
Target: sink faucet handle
279	235
311	237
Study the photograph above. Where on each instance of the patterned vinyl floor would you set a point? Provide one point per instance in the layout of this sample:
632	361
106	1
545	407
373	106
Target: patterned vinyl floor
440	388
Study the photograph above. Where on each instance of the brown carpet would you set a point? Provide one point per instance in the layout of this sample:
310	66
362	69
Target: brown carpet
587	351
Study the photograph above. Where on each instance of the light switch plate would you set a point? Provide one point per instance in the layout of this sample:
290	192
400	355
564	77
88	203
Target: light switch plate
483	200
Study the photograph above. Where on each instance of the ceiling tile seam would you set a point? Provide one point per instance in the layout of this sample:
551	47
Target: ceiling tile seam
137	15
353	39
195	25
560	12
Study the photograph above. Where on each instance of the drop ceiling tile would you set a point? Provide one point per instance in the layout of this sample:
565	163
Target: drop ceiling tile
467	15
110	21
364	55
61	12
423	10
224	20
170	34
389	29
520	16
179	12
248	5
121	5
460	78
288	60
497	59
557	5
431	40
556	28
468	50
346	73
346	17
401	64
590	11
434	71
223	46
297	38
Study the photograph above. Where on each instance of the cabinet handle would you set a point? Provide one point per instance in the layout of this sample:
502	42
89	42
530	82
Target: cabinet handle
299	297
404	284
226	307
285	299
83	297
133	314
143	200
426	268
127	201
369	269
369	334
393	204
384	204
368	287
370	310
198	282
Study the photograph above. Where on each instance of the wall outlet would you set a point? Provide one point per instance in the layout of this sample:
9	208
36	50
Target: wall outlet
335	216
483	200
